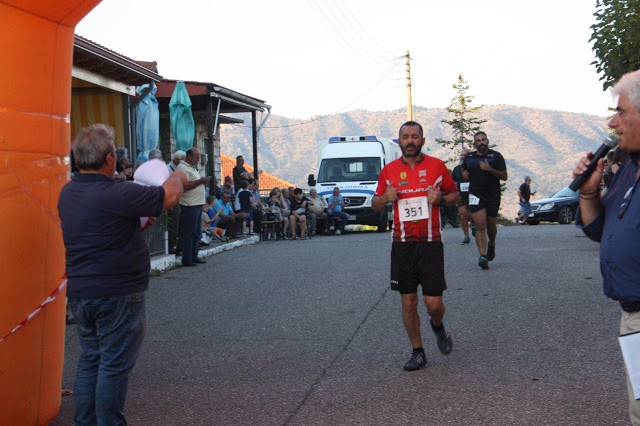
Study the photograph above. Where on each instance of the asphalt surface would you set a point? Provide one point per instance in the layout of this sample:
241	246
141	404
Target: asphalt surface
307	332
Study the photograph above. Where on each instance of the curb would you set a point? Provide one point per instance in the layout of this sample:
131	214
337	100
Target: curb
166	262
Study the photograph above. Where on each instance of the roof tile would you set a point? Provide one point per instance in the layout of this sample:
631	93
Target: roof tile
267	180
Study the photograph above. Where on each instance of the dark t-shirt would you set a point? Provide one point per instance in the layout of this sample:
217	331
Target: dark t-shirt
244	197
484	184
237	172
106	255
295	204
525	191
456	174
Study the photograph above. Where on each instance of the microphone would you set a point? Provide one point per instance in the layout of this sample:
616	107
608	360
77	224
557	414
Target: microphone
609	143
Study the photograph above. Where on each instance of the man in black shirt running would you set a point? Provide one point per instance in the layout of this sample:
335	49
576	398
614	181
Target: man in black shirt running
463	188
484	168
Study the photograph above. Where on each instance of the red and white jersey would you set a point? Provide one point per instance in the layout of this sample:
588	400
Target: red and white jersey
428	173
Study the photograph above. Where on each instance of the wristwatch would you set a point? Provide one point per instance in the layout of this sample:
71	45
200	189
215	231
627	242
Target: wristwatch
442	194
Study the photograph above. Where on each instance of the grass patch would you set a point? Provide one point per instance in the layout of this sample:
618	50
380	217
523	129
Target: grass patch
502	220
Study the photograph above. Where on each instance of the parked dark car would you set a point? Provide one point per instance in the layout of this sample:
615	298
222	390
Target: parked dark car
561	207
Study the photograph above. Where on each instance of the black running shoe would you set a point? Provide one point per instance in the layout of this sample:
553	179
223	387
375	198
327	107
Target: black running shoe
445	344
417	361
491	252
483	262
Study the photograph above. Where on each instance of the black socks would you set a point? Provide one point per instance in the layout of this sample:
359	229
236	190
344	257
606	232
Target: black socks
418	350
438	328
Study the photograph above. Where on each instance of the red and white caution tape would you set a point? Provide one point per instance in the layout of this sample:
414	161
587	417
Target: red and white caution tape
48	300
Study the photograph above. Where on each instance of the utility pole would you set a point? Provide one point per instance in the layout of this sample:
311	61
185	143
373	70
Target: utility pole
410	102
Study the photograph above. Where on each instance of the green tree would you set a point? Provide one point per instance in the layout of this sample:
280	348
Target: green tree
463	124
616	37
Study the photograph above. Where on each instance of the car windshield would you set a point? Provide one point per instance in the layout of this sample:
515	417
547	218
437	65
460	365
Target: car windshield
565	192
349	169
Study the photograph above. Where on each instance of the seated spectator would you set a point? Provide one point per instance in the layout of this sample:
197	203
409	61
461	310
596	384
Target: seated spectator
286	207
317	209
244	205
215	189
228	188
213	212
274	207
336	210
124	170
298	214
229	220
208	225
619	157
121	154
258	206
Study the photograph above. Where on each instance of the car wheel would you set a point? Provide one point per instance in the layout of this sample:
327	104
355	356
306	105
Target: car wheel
565	215
533	221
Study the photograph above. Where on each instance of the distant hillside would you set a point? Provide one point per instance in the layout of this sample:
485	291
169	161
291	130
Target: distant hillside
540	143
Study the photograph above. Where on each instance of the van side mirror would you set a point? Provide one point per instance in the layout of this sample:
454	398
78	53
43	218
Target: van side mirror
311	180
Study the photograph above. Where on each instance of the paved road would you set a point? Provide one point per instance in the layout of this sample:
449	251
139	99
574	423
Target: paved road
307	332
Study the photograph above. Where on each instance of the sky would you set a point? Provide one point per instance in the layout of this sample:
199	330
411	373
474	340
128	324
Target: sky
307	58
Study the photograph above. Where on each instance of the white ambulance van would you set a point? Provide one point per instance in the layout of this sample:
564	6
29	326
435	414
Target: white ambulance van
353	163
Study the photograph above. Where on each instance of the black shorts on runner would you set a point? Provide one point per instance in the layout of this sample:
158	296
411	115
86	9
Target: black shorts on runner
490	205
464	199
414	263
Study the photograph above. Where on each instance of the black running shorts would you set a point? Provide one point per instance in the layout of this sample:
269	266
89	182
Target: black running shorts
464	199
414	263
490	205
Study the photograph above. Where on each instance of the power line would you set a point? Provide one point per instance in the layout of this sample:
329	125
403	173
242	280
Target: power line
300	125
321	117
351	37
364	29
383	57
337	32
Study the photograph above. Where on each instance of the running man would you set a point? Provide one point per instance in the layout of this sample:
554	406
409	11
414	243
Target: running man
463	188
484	168
416	184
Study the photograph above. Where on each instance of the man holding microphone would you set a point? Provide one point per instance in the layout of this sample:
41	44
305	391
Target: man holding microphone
613	220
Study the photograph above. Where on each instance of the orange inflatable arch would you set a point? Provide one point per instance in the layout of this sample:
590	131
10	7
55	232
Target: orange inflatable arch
36	44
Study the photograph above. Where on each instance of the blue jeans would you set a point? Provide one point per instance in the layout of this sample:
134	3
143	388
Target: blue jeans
344	217
190	242
111	331
525	208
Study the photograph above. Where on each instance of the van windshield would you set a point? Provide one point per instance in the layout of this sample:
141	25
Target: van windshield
349	169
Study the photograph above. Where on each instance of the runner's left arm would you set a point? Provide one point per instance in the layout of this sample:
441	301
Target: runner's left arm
448	187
